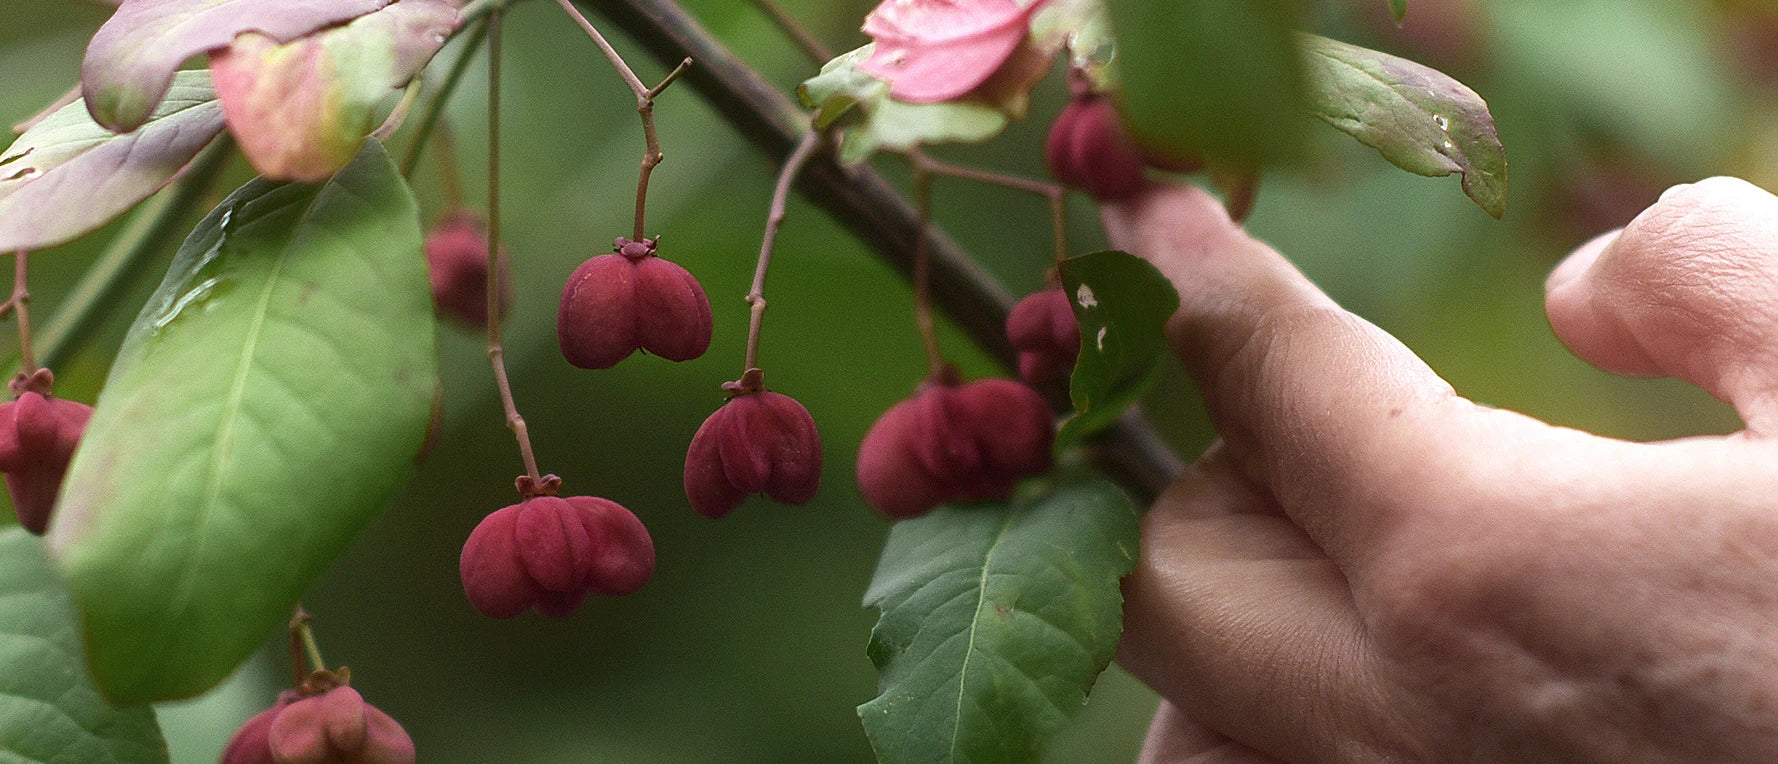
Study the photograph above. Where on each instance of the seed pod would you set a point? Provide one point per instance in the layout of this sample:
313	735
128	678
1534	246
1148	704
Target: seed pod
38	435
761	442
337	726
457	262
250	745
1088	149
549	553
617	303
967	442
1043	329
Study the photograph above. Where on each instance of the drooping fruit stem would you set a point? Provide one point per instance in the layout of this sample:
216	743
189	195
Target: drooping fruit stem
923	320
496	352
651	154
305	654
1055	193
756	296
20	304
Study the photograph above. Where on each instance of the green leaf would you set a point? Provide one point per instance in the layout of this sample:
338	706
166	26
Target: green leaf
996	620
49	708
270	397
131	59
1211	77
1417	117
1398	9
1084	28
67	176
846	97
1122	304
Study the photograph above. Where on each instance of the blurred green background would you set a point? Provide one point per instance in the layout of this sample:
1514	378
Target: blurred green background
749	644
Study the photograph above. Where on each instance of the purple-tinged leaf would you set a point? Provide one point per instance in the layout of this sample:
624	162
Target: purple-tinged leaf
130	61
1417	117
301	110
67	176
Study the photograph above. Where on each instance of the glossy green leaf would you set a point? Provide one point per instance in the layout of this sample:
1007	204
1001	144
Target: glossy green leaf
270	397
1398	9
1417	117
67	176
846	97
49	709
1122	304
996	620
131	59
1218	78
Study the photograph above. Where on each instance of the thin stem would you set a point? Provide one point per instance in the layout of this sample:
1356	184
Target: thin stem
496	352
651	153
20	305
923	320
1057	195
756	296
435	110
811	46
450	184
398	115
303	646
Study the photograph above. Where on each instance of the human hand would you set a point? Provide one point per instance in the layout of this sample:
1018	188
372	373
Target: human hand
1368	567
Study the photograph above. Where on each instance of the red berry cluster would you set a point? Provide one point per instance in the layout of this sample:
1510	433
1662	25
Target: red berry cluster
38	435
757	442
954	441
1043	329
323	720
548	553
631	300
1089	149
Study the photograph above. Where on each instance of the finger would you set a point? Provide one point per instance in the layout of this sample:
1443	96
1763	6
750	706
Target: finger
1174	739
1237	620
1336	415
1688	289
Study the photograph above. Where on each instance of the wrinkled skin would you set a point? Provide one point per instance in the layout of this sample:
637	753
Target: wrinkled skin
762	443
337	726
616	304
1369	567
549	553
968	442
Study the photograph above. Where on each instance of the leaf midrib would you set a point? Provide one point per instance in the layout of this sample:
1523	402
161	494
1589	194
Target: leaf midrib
975	620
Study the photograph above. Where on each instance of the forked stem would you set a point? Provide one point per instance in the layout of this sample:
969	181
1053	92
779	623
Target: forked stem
1056	194
651	153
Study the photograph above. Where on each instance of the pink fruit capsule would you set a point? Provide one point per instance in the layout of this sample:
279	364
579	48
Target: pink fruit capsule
761	442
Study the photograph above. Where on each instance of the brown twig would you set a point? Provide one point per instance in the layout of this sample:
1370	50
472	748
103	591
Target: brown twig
1056	194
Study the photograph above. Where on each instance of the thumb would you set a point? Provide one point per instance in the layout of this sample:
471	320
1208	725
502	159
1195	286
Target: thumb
1688	289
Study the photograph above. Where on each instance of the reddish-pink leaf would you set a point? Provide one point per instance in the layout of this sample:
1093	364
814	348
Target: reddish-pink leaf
67	176
301	110
936	50
130	62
